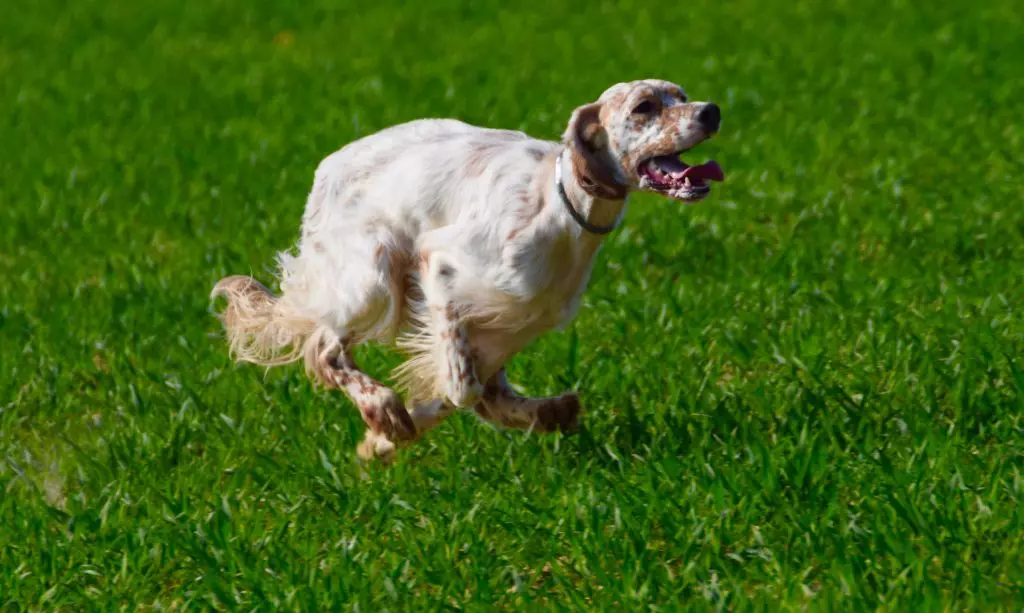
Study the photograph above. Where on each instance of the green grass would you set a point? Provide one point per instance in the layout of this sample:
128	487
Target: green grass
804	392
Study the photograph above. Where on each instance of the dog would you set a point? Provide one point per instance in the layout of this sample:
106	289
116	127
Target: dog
460	245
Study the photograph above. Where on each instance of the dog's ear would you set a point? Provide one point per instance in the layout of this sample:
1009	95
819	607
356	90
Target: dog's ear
587	142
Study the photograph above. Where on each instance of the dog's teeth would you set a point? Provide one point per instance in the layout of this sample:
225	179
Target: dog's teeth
686	181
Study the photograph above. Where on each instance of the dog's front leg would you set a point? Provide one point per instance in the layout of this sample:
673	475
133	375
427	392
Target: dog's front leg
502	405
458	379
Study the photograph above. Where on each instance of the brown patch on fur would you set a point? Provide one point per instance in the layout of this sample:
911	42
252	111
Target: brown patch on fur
389	418
493	386
402	285
480	157
401	425
536	154
592	173
532	203
481	410
559	414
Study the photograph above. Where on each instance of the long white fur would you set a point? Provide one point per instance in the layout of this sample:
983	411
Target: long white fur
480	203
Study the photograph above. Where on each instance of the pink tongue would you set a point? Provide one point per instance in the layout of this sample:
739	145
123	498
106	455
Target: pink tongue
708	171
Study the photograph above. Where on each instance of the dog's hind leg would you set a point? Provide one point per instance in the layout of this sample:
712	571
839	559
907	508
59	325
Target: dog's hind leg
381	408
502	405
389	424
425	415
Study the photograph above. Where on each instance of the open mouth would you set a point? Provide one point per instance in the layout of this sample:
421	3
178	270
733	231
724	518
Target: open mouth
668	175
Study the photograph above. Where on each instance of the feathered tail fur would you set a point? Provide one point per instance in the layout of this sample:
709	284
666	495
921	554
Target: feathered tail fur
263	328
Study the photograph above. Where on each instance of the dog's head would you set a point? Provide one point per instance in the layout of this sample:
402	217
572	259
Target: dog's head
631	138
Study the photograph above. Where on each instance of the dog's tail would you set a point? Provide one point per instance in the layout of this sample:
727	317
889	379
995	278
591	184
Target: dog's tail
261	328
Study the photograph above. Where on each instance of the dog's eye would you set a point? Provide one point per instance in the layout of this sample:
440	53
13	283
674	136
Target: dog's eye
644	108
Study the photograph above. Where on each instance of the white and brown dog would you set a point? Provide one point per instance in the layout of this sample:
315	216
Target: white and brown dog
462	245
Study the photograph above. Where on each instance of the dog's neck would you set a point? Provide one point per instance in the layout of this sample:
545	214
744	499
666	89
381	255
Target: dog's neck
593	216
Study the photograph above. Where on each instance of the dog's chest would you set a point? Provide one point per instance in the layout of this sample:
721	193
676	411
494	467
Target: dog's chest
553	274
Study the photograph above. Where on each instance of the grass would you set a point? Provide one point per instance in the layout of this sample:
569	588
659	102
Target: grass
805	392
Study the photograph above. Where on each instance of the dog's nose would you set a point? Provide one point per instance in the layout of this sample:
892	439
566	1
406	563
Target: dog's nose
710	116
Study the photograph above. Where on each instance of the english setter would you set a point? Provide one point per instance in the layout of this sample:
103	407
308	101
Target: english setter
461	245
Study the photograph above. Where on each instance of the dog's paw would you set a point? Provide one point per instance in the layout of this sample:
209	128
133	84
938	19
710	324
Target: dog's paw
560	414
376	446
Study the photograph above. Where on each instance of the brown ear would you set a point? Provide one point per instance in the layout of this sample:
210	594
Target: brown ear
586	139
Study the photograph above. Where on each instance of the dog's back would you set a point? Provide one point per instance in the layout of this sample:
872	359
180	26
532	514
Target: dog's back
419	175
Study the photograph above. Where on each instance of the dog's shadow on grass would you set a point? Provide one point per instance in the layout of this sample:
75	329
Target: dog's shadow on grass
612	444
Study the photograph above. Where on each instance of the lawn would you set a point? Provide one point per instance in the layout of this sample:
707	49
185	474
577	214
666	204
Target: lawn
805	391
